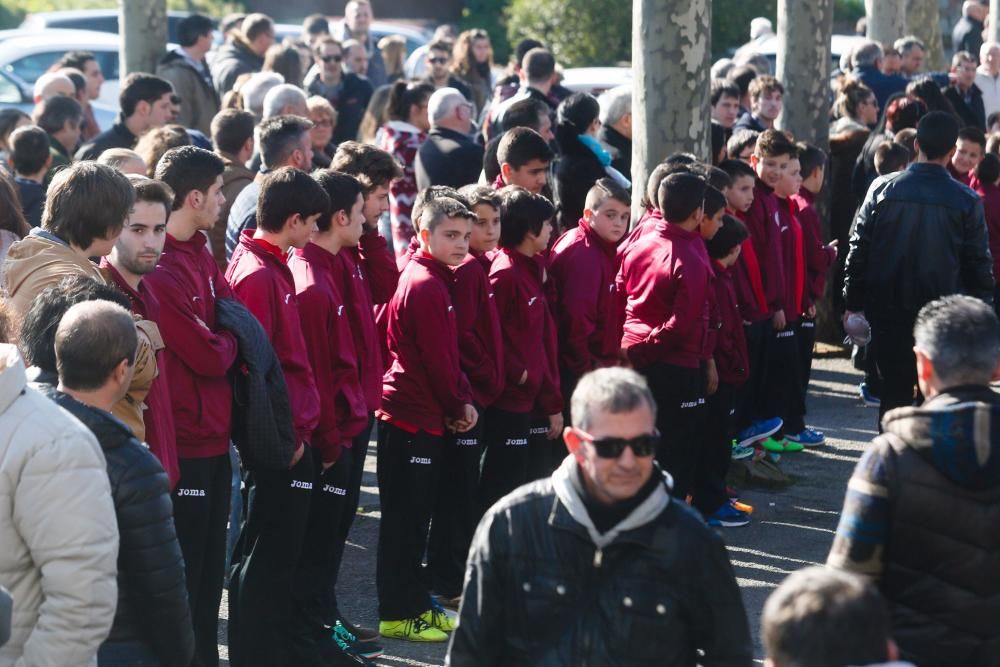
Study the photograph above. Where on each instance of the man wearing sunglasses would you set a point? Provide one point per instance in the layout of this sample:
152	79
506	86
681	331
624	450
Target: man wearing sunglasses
439	69
599	563
347	92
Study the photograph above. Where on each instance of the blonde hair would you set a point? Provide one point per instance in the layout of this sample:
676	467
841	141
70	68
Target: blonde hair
393	48
116	158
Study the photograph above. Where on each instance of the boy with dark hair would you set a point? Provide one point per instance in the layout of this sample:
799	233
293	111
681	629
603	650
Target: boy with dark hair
819	259
524	160
419	404
343	412
969	150
729	356
665	280
480	348
531	372
891	157
185	68
199	355
988	188
582	266
145	102
264	619
30	160
741	145
232	137
766	94
725	101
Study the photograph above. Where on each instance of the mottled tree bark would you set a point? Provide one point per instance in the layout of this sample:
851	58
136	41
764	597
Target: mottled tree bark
923	20
143	30
671	62
886	20
993	30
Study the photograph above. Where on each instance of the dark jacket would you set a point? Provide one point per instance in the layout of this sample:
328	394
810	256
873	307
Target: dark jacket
262	417
448	158
920	516
883	85
730	351
970	110
967	35
748	121
152	594
620	148
350	98
920	235
544	587
454	82
199	99
117	136
233	59
576	172
32	195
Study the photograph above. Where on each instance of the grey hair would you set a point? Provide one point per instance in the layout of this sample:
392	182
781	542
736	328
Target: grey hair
722	67
610	390
906	44
961	335
256	88
866	54
443	103
615	103
281	96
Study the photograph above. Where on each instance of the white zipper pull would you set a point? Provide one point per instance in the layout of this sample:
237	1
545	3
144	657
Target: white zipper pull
598	557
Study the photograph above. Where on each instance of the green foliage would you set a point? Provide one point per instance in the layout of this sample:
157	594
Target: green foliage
12	12
579	32
488	15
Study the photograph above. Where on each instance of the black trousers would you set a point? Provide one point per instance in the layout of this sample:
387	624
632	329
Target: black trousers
897	364
710	478
753	404
407	479
543	453
260	590
456	510
201	512
806	342
314	575
507	459
356	469
680	403
784	384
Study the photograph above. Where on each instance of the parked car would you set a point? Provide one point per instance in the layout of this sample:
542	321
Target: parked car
17	94
415	36
595	80
101	20
839	44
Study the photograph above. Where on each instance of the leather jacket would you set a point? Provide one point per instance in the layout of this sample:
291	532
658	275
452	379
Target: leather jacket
918	236
543	587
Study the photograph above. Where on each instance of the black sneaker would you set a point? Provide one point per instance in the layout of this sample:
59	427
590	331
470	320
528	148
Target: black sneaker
350	644
362	634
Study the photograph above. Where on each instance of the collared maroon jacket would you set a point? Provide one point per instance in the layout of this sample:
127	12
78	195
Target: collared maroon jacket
732	361
480	342
991	208
764	227
582	269
665	278
198	355
425	384
258	274
819	256
326	328
529	335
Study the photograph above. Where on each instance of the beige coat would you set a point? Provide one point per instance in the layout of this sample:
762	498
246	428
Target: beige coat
36	262
58	532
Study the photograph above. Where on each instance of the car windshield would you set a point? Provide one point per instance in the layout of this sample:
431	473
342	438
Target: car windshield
29	68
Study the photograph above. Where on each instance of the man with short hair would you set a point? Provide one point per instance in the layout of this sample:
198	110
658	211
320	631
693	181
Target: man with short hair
186	69
449	156
988	77
538	75
62	119
866	66
601	544
358	16
963	93
529	112
911	50
30	160
232	136
922	506
285	100
51	84
347	92
86	62
947	253
145	102
824	618
245	53
766	94
725	101
284	142
968	32
314	28
439	72
356	58
616	127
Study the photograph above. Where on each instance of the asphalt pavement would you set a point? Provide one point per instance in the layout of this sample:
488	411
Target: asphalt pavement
791	529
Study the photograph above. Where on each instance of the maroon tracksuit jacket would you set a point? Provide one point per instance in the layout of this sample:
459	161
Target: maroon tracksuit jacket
480	342
731	357
762	222
819	257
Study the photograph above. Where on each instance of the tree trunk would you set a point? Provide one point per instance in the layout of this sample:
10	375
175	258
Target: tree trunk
671	62
923	20
886	20
143	30
994	28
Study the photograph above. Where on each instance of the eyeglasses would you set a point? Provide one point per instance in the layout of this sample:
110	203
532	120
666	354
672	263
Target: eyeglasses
438	61
331	59
612	448
323	123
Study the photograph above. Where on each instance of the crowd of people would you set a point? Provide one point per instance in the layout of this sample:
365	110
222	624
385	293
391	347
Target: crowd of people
283	251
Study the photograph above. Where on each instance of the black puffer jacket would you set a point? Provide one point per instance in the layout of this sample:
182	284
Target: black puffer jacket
152	595
919	235
542	589
234	58
576	172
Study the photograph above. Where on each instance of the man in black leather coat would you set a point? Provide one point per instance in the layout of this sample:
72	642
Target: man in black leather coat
598	565
919	235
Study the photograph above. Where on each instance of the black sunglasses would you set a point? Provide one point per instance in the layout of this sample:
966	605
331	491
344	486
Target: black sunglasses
437	61
612	448
335	59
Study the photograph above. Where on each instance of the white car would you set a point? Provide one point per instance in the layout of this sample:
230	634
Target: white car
415	37
595	80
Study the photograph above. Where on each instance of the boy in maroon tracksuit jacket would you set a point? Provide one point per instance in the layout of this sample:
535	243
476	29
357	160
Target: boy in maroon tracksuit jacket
988	187
819	256
186	283
480	347
370	277
424	394
267	621
666	278
531	373
583	266
730	356
333	356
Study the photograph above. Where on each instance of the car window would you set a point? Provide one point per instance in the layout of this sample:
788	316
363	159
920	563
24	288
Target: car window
98	23
29	68
9	92
108	60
